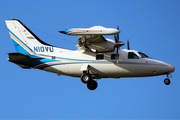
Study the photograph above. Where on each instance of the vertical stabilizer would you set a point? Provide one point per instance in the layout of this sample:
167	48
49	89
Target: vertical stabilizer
25	41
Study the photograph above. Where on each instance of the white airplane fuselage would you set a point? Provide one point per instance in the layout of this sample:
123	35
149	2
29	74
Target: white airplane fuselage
70	63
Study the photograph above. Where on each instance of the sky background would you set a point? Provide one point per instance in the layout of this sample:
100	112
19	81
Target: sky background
152	26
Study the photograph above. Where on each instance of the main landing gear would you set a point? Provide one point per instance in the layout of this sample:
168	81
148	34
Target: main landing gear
87	79
167	80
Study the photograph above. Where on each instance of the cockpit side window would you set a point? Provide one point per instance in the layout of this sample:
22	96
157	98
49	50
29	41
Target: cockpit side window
143	55
132	55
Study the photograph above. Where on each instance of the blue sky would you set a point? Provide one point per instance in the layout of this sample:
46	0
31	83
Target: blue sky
152	27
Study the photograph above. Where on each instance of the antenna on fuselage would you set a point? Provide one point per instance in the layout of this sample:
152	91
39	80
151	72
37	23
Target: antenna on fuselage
128	45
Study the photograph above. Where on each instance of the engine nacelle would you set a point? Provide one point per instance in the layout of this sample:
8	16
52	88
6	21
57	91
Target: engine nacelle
107	46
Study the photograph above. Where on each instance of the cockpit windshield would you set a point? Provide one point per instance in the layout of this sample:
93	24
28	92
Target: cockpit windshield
143	55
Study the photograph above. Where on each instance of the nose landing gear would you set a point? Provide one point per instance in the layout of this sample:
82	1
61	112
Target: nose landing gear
167	80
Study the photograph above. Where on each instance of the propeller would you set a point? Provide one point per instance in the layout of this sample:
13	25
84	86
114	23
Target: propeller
116	36
118	43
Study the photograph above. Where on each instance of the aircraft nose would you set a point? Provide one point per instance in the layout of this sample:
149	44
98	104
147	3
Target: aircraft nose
171	68
163	67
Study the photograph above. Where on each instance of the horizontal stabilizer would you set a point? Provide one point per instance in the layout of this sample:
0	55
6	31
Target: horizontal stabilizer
18	57
23	66
21	59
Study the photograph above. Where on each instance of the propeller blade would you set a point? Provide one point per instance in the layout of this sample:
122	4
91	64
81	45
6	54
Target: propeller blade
116	36
128	45
118	43
118	33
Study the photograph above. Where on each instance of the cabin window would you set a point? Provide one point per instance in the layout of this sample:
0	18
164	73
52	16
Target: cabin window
114	56
99	57
132	55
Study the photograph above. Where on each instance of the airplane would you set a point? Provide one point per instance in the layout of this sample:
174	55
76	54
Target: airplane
96	57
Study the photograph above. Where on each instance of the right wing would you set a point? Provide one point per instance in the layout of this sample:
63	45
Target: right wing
92	38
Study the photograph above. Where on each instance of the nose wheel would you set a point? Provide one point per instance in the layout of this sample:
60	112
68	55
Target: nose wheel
167	81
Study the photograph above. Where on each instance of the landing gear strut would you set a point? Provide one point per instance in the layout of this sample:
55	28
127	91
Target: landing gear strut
87	79
167	80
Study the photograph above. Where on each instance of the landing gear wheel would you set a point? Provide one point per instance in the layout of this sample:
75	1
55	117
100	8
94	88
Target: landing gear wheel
167	81
92	85
85	78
